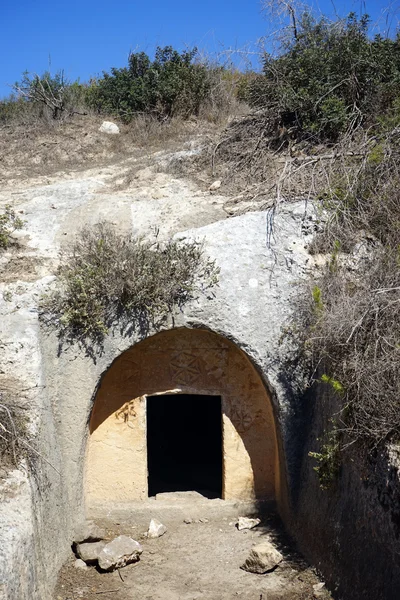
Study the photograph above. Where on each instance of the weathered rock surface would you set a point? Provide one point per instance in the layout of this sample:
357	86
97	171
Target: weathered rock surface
120	552
80	564
246	523
109	127
215	186
319	590
259	270
90	551
90	532
263	557
156	529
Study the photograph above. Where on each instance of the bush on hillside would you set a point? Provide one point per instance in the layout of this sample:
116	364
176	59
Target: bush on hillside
46	95
351	326
173	83
328	79
9	222
107	276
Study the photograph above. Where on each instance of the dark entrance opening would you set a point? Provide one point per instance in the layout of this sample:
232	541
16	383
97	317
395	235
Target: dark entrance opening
184	444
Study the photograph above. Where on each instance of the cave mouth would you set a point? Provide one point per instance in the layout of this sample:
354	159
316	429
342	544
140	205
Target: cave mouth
184	444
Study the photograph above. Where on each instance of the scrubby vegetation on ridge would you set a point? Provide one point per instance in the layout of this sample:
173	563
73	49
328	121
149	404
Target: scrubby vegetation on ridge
105	276
351	326
332	97
173	84
329	79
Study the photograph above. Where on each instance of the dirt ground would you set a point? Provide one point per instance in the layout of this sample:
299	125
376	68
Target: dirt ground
191	561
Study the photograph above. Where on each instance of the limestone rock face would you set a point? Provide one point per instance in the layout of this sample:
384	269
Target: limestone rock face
246	523
119	553
262	558
156	529
89	552
108	127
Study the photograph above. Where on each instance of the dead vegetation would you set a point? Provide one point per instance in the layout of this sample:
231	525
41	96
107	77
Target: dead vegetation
14	437
352	323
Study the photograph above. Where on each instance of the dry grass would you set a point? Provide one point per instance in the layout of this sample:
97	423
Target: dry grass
46	148
348	320
14	436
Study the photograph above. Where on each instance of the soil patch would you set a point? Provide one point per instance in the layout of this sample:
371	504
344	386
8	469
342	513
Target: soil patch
192	561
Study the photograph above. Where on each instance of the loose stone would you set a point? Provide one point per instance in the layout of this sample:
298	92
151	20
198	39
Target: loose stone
122	551
80	564
215	186
245	523
89	552
156	529
109	127
262	558
90	532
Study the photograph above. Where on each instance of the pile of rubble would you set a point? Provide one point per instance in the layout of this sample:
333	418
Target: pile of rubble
91	547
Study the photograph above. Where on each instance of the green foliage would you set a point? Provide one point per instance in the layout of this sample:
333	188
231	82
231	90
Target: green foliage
107	276
334	383
317	297
9	109
171	84
9	222
355	340
376	155
329	459
330	78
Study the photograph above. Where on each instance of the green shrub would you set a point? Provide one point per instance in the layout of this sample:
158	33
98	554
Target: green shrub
329	78
9	222
328	459
171	84
107	276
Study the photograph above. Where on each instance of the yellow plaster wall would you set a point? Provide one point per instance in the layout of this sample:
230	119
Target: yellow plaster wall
180	361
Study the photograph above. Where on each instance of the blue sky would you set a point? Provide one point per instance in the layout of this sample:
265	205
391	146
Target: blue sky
85	37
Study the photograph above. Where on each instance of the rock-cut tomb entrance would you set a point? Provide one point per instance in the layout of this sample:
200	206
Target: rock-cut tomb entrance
182	410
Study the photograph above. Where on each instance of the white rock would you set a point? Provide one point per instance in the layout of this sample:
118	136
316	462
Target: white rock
156	529
80	564
108	127
215	186
319	590
246	523
89	532
118	553
90	551
262	558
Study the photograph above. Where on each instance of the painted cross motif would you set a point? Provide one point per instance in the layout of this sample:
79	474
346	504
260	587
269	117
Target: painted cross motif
185	368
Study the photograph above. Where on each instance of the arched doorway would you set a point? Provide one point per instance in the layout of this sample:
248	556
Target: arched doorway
182	384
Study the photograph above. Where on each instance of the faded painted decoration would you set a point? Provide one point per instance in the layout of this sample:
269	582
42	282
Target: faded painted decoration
181	361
